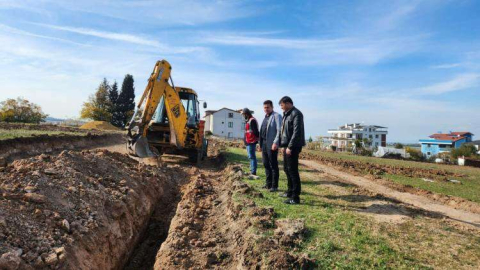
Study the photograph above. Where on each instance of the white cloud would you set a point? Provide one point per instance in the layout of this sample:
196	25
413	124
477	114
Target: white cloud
460	82
107	35
350	50
14	30
447	66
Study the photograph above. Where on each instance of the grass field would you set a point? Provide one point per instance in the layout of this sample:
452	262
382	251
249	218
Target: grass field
17	133
339	237
469	189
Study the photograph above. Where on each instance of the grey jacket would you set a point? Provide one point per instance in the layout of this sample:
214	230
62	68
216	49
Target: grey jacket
273	131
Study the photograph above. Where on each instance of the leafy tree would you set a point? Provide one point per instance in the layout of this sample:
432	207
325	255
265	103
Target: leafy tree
415	154
98	106
310	139
398	146
22	111
466	149
126	101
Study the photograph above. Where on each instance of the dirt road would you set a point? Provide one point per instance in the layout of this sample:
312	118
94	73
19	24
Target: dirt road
421	202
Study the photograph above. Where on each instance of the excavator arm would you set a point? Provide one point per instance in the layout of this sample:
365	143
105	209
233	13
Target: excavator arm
157	87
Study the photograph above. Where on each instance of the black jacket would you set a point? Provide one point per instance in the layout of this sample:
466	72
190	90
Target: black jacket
293	132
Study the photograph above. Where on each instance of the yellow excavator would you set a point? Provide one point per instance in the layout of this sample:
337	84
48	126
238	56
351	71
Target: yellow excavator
167	119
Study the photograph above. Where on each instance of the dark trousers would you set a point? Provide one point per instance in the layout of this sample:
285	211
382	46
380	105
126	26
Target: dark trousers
270	162
290	166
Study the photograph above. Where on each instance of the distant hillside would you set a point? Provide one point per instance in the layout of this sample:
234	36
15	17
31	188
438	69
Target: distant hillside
53	119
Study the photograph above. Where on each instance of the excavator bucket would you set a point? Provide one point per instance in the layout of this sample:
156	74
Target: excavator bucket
140	148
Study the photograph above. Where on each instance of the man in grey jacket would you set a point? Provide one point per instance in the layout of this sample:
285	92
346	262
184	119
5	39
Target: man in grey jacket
269	143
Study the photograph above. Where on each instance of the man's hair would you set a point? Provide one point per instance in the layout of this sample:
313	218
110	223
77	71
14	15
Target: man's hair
286	99
268	102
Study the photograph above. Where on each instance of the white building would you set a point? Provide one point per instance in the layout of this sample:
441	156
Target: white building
226	123
344	136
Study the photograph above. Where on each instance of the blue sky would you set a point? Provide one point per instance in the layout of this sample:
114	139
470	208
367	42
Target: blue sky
413	66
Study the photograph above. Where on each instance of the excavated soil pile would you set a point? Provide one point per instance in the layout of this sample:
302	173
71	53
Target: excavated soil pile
78	210
378	170
99	125
16	148
217	142
43	127
217	226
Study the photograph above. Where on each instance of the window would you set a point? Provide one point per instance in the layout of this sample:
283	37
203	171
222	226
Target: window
230	124
223	123
230	115
370	136
376	136
369	130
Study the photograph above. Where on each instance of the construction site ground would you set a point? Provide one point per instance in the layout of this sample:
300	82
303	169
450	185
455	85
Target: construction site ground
358	223
94	207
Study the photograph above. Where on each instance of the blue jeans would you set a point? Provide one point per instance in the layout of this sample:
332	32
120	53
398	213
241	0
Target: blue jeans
252	156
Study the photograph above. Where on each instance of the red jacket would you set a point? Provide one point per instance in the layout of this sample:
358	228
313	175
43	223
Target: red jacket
251	130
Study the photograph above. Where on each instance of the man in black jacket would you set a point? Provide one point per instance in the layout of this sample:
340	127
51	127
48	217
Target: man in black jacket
292	139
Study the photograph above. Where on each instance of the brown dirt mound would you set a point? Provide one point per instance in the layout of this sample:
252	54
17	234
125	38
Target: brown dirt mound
17	148
99	125
212	230
43	127
77	210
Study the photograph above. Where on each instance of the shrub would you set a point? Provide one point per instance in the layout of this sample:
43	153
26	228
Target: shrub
398	146
415	154
467	150
366	152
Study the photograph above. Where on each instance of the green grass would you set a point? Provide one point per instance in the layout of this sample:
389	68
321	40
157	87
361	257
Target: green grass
469	189
17	133
339	237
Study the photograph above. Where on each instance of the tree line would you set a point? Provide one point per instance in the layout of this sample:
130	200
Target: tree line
21	110
109	105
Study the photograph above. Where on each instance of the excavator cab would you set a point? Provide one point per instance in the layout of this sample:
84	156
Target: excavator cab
159	135
190	104
167	120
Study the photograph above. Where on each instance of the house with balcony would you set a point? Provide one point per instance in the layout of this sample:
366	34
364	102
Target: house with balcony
225	123
345	136
444	142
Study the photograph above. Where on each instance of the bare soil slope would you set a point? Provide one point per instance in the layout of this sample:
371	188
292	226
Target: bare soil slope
77	210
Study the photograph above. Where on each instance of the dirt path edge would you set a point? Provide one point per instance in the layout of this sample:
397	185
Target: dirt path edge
405	197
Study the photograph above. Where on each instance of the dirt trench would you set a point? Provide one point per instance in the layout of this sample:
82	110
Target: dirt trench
84	210
18	148
100	209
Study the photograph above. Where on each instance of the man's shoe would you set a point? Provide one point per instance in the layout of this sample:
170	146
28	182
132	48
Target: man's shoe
284	195
266	187
273	190
291	201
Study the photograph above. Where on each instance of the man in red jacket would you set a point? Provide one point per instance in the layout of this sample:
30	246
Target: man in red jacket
251	138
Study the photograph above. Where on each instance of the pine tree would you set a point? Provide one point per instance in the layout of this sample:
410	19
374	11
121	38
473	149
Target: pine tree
126	101
113	98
